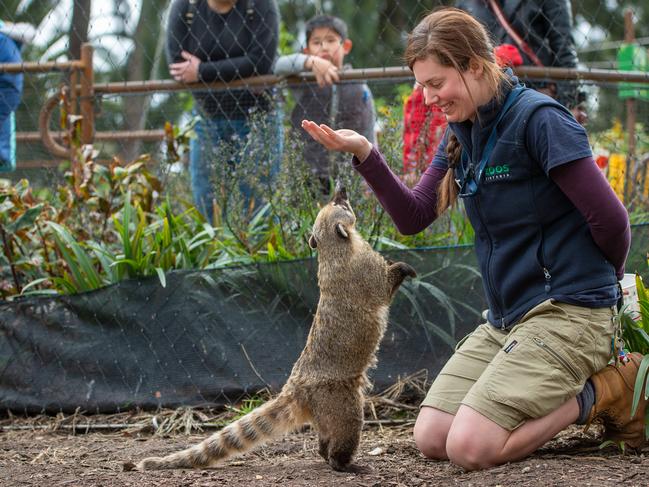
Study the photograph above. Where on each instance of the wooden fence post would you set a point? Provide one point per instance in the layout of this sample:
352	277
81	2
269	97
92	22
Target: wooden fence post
86	95
631	117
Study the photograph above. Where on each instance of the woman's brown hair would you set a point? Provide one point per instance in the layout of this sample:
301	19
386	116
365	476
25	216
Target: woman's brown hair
454	39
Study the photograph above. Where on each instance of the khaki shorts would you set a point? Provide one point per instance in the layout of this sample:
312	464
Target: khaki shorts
528	371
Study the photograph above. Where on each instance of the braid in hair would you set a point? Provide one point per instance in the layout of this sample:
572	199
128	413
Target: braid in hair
448	190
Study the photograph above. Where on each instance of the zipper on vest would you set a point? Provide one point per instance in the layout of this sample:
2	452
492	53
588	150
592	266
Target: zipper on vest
492	288
557	356
548	277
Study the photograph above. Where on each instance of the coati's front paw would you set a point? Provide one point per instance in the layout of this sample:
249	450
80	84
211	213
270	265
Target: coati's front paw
397	272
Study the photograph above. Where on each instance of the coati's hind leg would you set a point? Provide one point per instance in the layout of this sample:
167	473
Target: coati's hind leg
339	424
323	446
343	446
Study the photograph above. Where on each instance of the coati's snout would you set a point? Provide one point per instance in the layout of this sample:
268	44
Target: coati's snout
340	199
340	195
334	222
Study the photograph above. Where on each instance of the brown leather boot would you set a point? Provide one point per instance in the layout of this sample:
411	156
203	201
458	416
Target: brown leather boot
613	399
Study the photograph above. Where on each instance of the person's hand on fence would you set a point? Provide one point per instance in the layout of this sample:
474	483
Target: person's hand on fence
185	71
342	140
326	73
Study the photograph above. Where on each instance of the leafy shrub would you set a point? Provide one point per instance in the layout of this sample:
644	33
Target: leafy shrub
108	223
635	333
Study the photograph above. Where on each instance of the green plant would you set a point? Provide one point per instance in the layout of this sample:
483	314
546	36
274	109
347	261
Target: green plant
108	223
245	407
21	233
635	334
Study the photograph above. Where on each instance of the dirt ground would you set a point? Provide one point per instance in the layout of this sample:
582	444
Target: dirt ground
387	457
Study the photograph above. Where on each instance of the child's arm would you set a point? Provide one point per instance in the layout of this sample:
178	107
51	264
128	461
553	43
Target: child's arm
21	32
325	72
290	64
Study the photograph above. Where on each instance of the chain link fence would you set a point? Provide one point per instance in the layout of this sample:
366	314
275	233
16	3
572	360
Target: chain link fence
135	42
209	101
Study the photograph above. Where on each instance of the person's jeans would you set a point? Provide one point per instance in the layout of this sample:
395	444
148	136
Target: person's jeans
9	101
240	148
11	88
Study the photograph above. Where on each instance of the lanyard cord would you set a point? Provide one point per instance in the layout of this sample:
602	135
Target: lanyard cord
491	142
498	12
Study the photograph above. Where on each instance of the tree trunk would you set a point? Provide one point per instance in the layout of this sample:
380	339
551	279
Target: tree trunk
143	63
79	27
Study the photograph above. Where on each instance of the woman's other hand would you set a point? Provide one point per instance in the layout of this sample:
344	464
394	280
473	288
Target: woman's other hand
185	71
343	140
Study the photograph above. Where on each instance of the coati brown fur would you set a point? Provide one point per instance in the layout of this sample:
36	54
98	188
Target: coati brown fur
327	384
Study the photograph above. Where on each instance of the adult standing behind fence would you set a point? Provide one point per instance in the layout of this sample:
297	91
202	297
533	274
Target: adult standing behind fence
551	240
542	32
12	37
227	40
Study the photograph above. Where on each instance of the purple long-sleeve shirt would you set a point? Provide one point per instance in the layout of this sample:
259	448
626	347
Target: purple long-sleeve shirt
581	181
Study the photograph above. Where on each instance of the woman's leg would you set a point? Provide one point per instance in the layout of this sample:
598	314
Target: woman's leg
472	356
527	393
431	432
475	442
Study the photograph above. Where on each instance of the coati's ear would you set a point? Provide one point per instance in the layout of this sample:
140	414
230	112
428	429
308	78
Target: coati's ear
340	230
312	242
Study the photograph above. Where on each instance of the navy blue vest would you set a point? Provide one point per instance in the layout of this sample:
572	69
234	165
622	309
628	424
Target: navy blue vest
531	242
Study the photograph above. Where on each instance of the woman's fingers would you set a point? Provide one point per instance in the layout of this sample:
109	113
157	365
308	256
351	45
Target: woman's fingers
343	140
328	130
316	131
308	127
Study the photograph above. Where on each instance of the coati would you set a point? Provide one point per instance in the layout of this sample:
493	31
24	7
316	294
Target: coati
327	384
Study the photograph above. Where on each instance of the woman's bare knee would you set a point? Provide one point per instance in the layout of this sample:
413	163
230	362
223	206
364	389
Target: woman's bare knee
475	442
430	432
468	452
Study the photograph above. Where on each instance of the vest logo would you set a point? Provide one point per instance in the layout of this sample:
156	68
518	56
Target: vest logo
496	173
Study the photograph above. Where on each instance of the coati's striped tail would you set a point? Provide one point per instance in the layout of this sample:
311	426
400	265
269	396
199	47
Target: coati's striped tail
270	420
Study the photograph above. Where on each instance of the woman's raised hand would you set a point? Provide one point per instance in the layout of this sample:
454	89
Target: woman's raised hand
342	140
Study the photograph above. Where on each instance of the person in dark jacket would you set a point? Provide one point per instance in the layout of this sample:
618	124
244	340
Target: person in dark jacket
546	27
551	239
226	40
348	104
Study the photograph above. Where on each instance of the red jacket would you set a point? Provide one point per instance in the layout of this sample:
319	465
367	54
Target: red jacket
418	147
